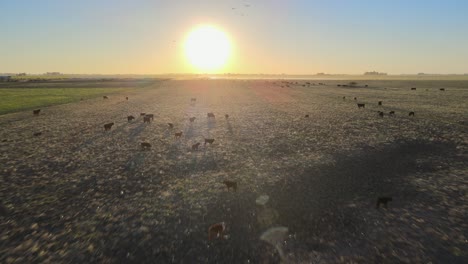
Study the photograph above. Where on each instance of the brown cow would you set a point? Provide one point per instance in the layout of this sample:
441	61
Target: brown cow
216	230
192	119
142	114
226	116
413	89
231	184
391	113
210	115
130	118
442	89
209	140
355	98
126	98
146	119
411	114
37	134
178	134
108	126
150	116
193	99
384	201
105	97
306	116
381	114
195	146
36	112
361	105
170	125
145	145
380	103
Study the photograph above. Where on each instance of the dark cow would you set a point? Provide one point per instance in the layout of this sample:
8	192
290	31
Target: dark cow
226	116
146	119
108	126
355	98
306	116
209	140
192	119
216	231
37	134
380	103
366	85
339	85
145	146
105	97
442	89
178	134
344	97
126	98
130	118
231	184
391	113
150	116
36	112
384	201
413	89
142	114
170	125
361	105
211	115
195	146
411	114
193	99
381	114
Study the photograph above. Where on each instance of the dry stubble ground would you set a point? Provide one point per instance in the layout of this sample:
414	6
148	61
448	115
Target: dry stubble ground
80	194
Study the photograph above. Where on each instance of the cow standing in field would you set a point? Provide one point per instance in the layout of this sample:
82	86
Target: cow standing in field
380	103
355	98
105	97
126	98
142	114
195	146
413	89
361	105
192	119
145	146
226	116
384	201
178	134
411	114
442	89
146	119
170	125
108	126
209	141
150	116
230	184
381	114
344	97
37	134
306	116
36	112
130	118
210	115
391	113
193	100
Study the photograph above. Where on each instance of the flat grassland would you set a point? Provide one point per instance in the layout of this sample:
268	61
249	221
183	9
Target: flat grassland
78	193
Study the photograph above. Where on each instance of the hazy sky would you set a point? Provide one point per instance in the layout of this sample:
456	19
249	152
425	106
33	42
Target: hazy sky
294	37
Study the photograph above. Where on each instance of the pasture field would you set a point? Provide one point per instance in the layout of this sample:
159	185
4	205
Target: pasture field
26	96
77	193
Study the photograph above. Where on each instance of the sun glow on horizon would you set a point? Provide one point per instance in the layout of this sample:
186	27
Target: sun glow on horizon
207	48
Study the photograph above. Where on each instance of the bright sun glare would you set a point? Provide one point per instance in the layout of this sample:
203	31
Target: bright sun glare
207	48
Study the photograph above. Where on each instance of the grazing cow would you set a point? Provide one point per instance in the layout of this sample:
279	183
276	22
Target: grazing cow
142	114
126	98
130	118
414	88
37	134
366	85
209	140
391	113
344	97
146	119
384	201
210	115
339	85
411	114
192	119
306	116
361	105
195	146
216	231
193	100
105	97
380	103
170	125
145	145
355	98
381	114
36	112
226	116
108	126
442	89
231	184
150	116
178	134
81	99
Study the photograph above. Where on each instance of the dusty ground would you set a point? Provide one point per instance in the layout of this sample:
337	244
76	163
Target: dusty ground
80	194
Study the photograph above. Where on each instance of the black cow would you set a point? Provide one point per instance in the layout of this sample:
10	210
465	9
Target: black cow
130	118
361	105
108	126
411	114
36	112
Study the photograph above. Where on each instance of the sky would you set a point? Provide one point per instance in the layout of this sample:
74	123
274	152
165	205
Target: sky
277	36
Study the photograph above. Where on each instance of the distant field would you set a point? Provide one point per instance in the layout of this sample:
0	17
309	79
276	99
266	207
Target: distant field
14	100
19	96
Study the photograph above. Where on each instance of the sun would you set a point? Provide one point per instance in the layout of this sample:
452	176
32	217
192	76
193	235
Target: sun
207	48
